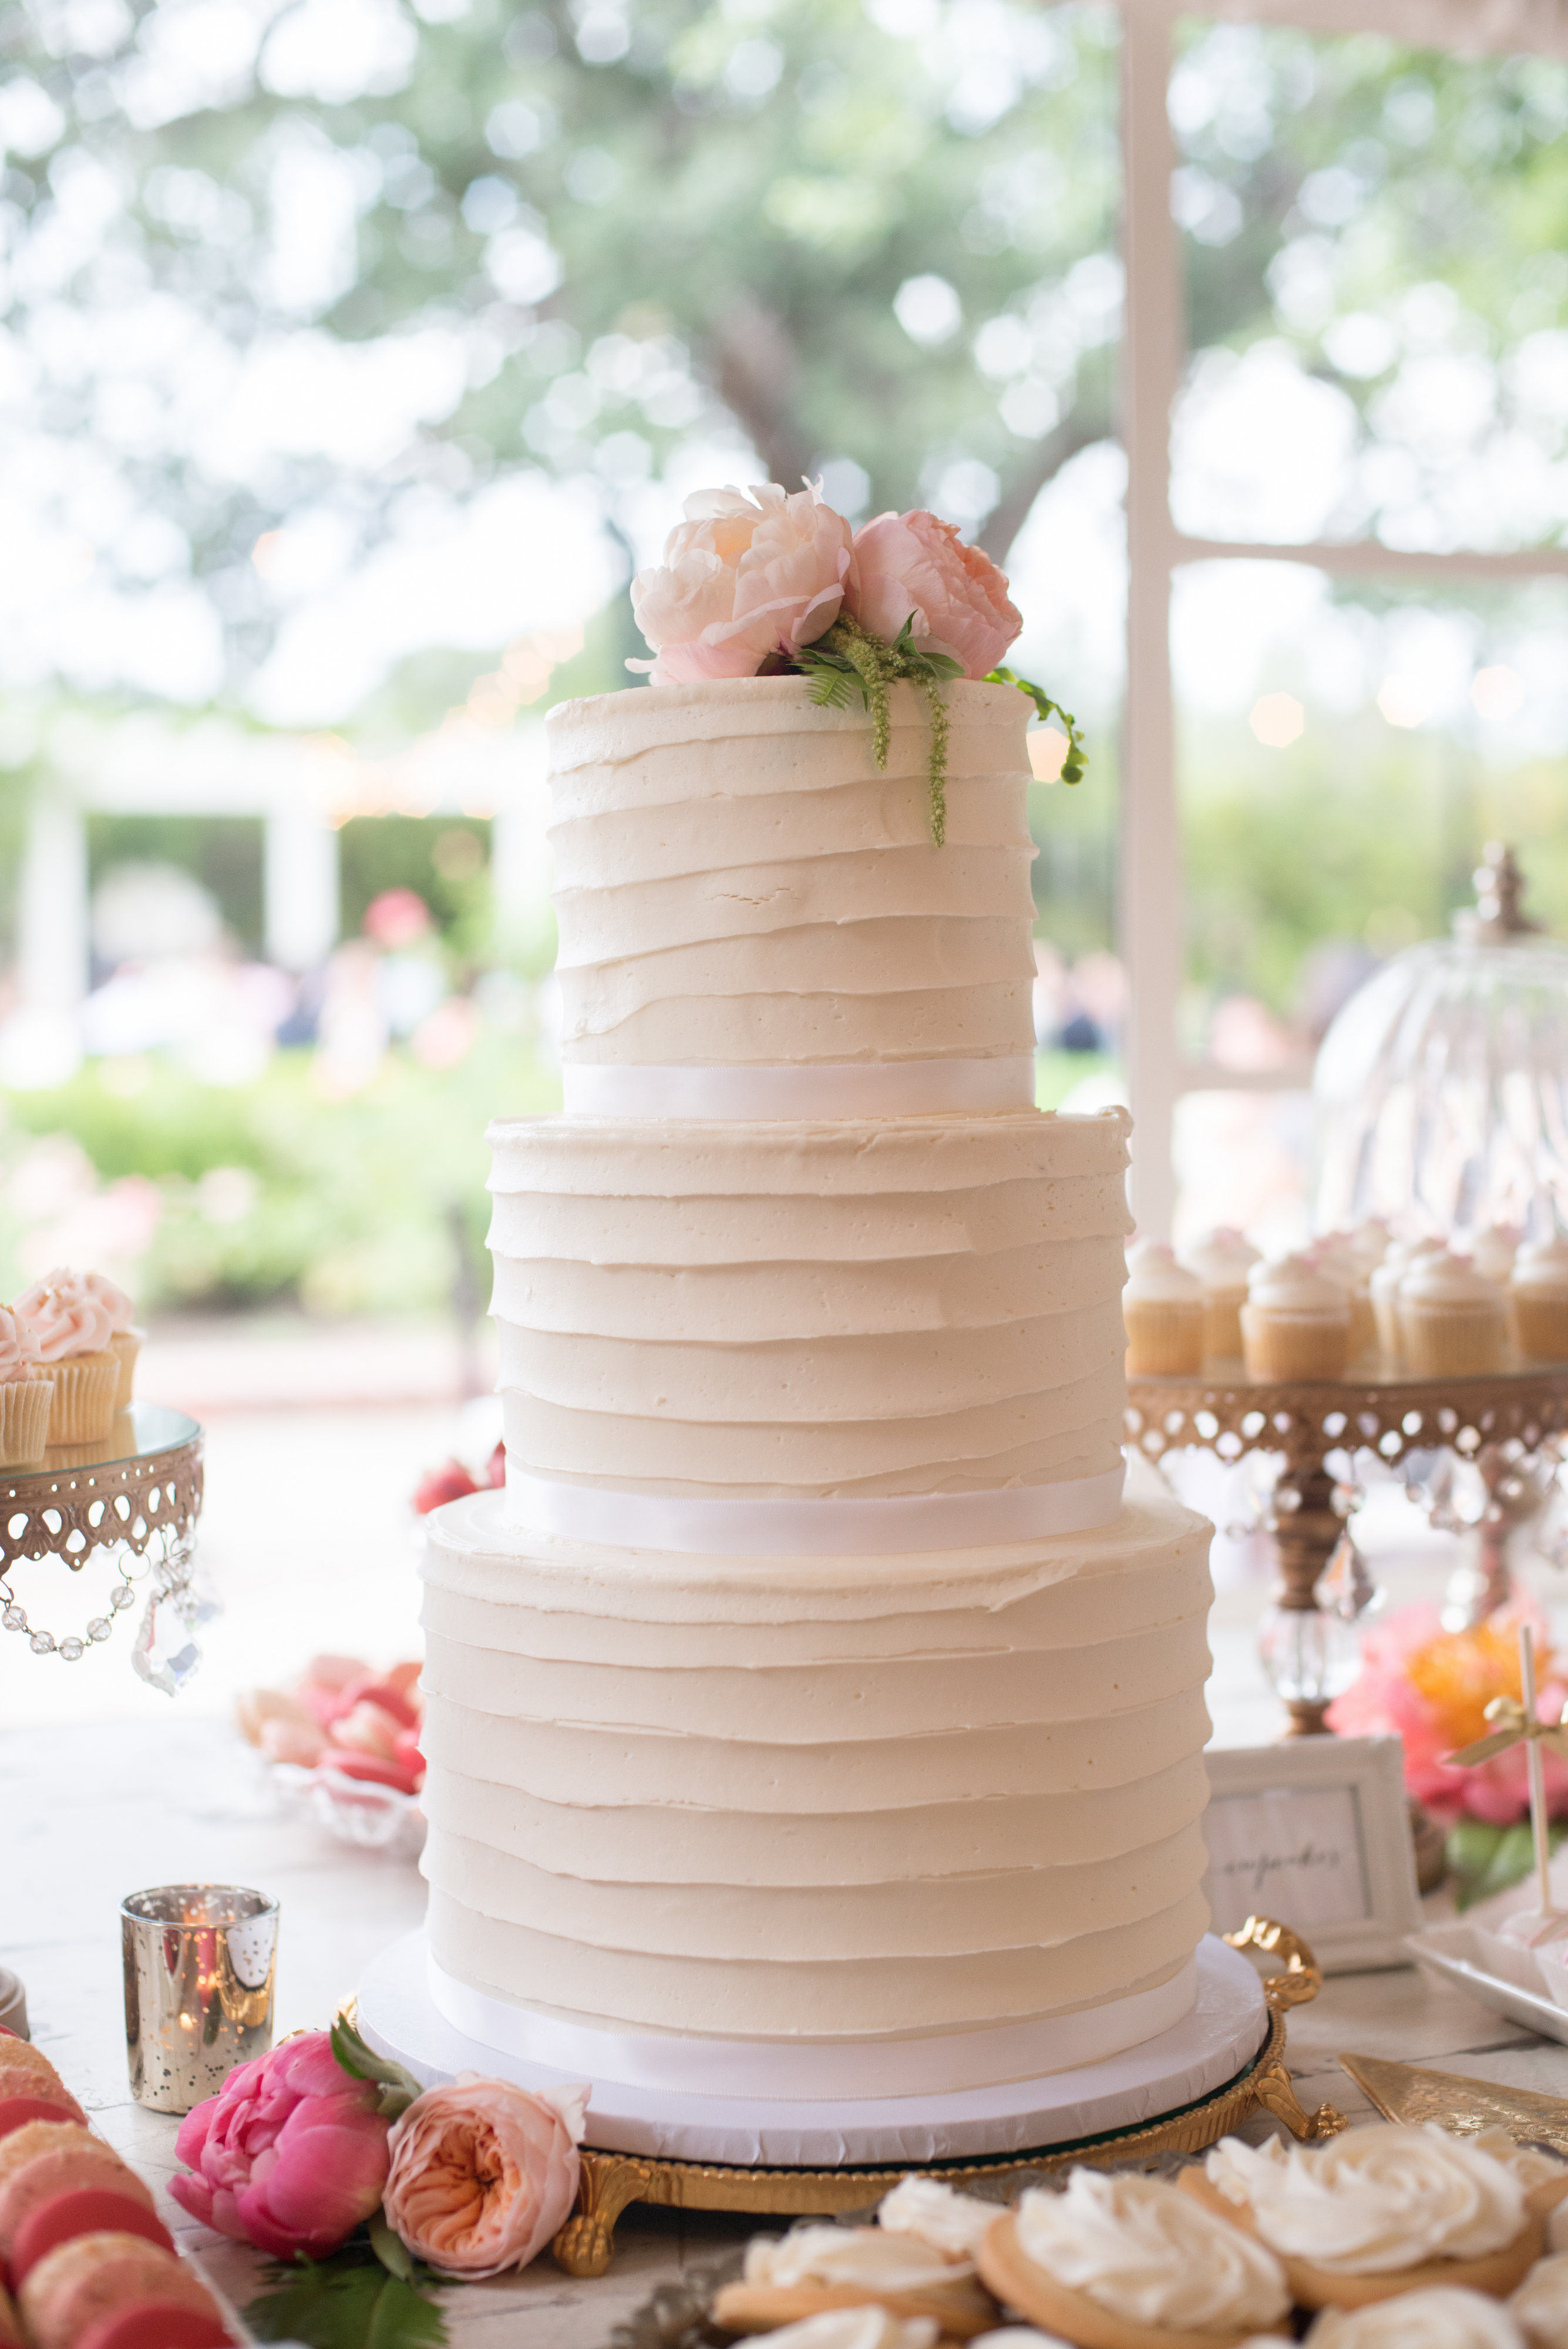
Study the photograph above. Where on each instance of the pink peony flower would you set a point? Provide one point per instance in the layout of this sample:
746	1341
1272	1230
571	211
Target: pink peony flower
63	1317
290	2154
483	2174
1431	1688
915	565
746	574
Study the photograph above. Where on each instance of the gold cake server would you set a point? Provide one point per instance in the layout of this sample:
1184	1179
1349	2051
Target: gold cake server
1410	2093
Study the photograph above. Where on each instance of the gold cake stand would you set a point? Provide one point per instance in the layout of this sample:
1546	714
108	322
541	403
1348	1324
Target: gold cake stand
611	2182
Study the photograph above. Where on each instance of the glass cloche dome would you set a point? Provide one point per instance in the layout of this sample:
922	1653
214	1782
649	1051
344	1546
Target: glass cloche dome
1442	1085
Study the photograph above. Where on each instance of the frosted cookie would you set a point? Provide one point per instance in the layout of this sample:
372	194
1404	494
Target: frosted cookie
1128	2262
858	2328
952	2223
1378	2212
1453	2319
816	2268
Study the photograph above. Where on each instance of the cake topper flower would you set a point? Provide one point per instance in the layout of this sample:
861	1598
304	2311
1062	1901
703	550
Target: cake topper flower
760	582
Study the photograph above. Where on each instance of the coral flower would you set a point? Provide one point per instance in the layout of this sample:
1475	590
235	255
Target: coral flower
483	2174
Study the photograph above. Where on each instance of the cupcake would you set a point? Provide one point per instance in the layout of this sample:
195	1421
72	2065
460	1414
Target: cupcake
24	1396
1336	1255
1221	1262
1451	2319
71	1327
1164	1310
1540	2306
1538	1301
1452	1320
1384	1285
93	2277
124	1337
1378	2212
1295	1323
1492	1249
1130	2262
1370	1241
813	2268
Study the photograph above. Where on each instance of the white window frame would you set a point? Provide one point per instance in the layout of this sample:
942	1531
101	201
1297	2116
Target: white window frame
1151	910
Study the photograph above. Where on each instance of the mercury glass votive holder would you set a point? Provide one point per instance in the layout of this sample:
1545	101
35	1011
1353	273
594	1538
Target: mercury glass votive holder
200	1961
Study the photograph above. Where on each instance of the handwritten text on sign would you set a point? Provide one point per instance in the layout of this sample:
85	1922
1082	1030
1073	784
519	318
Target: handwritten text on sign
1288	1851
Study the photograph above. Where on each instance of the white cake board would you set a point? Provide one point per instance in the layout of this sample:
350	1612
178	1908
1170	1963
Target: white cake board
1208	2047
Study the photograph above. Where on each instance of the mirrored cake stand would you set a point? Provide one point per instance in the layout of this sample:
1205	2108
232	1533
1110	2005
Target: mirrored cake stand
1175	2094
132	1500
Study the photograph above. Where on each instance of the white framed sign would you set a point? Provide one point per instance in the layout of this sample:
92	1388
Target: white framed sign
1315	1833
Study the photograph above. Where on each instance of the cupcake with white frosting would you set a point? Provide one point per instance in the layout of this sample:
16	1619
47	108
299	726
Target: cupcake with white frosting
1370	1240
1452	1322
1540	2306
1130	2262
1538	1301
71	1327
1295	1323
1492	1249
1163	1309
814	2269
124	1337
1439	2319
25	1394
1221	1259
1378	2212
1384	1286
1336	1255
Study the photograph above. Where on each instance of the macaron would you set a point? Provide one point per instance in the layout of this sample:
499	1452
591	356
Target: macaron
82	2283
157	2326
83	2165
84	2210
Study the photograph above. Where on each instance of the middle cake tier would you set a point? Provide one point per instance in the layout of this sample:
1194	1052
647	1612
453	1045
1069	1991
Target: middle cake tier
837	1310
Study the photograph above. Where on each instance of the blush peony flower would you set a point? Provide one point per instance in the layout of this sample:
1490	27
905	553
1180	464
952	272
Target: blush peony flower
746	574
483	2174
1431	1688
914	565
290	2154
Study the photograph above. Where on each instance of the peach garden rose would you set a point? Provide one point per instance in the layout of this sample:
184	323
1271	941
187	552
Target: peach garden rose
747	574
483	2174
916	566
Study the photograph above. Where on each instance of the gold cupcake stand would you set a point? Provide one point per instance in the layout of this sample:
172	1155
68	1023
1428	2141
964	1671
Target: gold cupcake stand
611	2182
1504	1421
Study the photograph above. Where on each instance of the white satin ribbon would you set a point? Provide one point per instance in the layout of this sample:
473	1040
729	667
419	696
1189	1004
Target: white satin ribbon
827	1090
797	2073
882	1527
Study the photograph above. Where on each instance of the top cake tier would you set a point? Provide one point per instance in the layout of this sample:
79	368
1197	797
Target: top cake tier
739	885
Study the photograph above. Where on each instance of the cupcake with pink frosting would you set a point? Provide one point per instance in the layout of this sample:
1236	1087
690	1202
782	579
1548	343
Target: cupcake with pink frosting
26	1395
124	1337
71	1330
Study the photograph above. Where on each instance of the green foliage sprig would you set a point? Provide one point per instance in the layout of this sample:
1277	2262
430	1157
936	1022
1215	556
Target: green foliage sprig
368	2294
395	2087
1077	757
849	659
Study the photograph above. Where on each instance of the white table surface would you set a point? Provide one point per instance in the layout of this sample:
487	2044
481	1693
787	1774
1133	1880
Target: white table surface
93	1811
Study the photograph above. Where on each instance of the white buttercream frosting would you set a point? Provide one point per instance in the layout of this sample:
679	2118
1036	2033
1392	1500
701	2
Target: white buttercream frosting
1155	1278
1446	2317
1492	1249
1149	2254
954	2223
858	2328
1529	2164
1541	1268
1221	1259
872	2256
1297	1285
1374	2201
1448	1279
1540	2306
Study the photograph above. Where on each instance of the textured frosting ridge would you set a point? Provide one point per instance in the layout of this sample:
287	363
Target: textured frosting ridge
825	1798
737	882
915	1305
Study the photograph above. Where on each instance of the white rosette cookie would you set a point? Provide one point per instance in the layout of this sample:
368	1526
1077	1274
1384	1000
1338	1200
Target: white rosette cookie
1540	2306
1453	2318
1379	2212
814	2269
859	2328
1130	2262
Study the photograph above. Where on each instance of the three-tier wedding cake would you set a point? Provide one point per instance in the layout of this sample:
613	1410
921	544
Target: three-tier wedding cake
812	1695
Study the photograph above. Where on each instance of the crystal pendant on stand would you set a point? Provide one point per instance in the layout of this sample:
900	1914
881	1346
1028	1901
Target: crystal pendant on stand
167	1653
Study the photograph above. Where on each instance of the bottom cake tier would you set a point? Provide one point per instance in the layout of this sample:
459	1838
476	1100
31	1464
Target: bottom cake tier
818	1800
